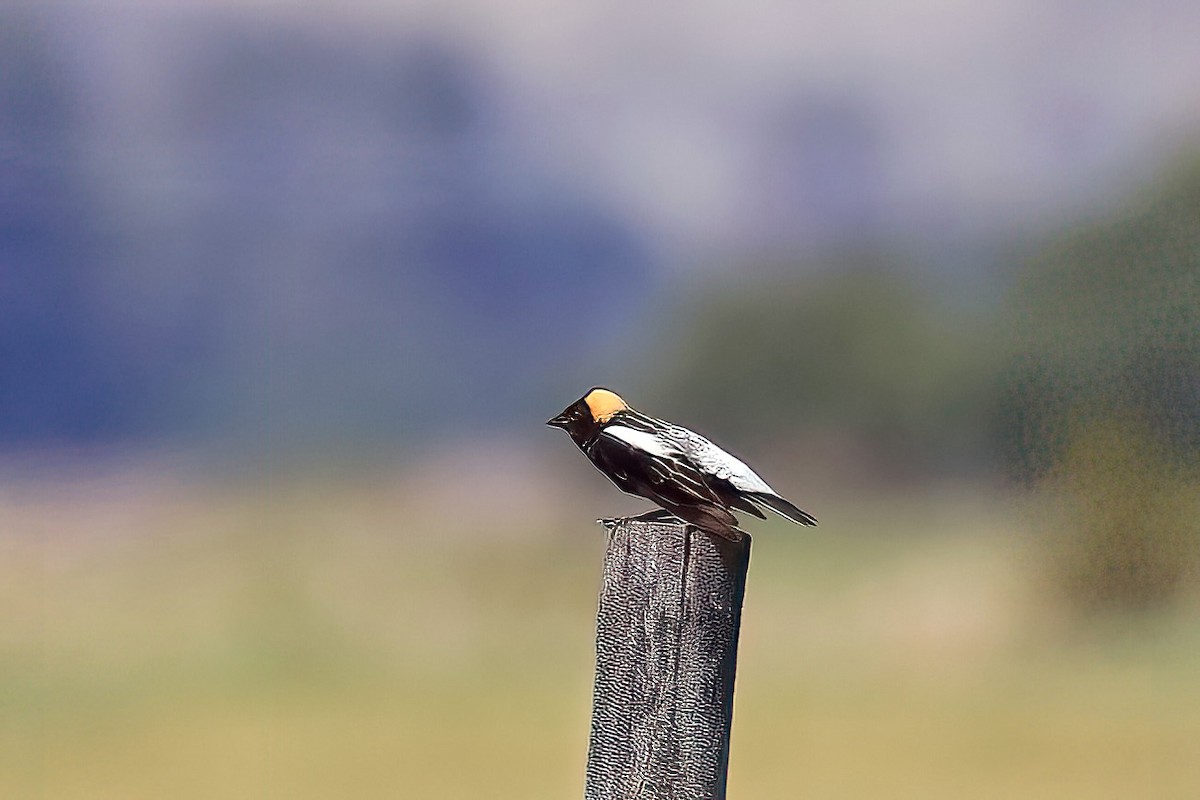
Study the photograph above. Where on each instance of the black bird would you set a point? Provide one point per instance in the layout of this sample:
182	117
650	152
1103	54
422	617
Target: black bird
684	473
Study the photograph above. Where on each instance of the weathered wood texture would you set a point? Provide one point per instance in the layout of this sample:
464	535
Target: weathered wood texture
666	650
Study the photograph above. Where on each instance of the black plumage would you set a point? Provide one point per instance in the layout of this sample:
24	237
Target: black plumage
678	469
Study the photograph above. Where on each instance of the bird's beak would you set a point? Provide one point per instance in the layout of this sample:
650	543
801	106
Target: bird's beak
561	421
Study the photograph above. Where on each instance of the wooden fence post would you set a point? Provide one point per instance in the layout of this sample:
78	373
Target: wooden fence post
666	651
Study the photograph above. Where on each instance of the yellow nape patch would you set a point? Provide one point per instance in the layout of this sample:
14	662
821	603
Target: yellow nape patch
603	404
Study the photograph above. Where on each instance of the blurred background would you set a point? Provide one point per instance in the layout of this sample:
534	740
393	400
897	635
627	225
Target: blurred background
288	290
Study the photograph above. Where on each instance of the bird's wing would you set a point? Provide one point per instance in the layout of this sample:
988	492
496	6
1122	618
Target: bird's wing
712	460
665	469
784	508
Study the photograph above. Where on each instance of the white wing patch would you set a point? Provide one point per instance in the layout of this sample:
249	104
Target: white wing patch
715	461
674	442
739	475
646	442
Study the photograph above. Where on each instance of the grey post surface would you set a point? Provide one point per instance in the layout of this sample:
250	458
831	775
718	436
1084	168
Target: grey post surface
666	650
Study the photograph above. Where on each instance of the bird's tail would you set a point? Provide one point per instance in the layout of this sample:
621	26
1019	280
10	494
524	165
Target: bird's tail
782	507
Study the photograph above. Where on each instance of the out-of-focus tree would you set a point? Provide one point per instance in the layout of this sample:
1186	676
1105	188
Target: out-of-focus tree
860	352
1126	529
1102	409
1107	319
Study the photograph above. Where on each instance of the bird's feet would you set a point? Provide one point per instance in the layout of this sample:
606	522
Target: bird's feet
654	515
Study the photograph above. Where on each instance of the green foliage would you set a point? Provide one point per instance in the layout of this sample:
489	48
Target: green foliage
859	351
1127	535
1102	398
1108	318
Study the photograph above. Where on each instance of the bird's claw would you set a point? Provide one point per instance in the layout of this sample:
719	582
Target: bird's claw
655	515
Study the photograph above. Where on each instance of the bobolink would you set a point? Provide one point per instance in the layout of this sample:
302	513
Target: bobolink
684	473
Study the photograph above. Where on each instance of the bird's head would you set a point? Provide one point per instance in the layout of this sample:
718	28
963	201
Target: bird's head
581	418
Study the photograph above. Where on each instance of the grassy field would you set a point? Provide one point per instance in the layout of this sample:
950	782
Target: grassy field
312	641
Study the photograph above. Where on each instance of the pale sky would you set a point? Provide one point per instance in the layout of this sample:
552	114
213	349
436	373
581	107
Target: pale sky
983	109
